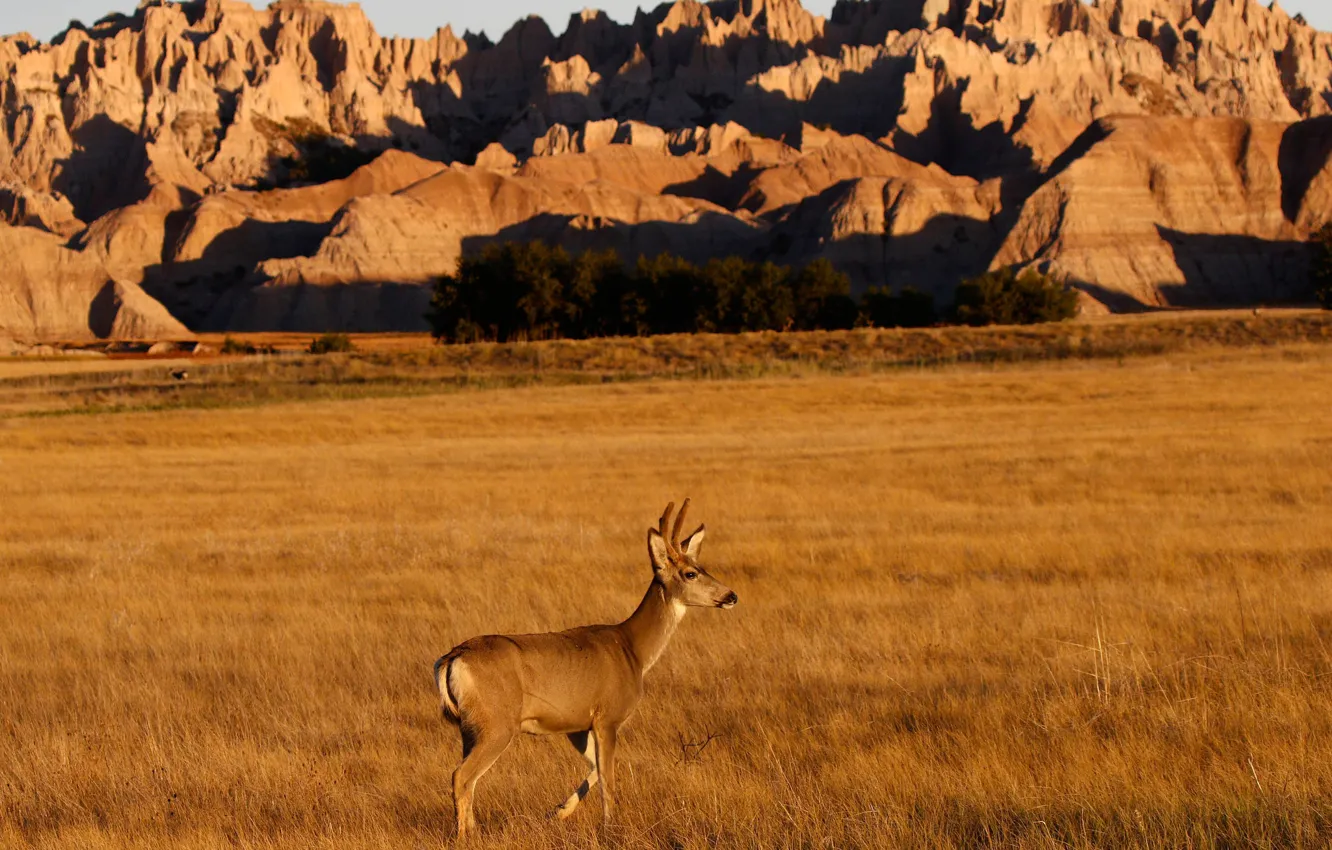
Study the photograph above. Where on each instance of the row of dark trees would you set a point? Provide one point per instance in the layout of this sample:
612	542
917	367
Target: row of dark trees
530	290
1322	266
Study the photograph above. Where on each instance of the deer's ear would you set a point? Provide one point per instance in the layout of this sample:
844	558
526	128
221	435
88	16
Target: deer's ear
693	542
658	551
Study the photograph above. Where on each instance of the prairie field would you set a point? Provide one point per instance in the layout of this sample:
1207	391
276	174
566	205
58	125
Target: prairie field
1079	603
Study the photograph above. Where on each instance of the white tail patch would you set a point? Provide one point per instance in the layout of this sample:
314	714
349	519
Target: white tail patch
458	683
446	680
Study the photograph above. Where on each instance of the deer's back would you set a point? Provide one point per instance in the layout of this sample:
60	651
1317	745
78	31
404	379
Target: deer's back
548	683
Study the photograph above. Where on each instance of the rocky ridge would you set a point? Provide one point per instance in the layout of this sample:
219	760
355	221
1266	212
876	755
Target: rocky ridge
1152	152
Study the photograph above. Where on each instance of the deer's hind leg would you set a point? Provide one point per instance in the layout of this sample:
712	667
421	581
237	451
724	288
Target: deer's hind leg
586	743
482	746
488	709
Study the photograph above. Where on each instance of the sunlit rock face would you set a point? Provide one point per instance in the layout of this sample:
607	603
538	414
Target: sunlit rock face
199	152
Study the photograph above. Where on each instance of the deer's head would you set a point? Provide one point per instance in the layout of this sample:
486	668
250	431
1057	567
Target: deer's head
676	567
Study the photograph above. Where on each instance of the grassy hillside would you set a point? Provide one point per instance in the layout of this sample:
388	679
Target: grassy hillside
390	365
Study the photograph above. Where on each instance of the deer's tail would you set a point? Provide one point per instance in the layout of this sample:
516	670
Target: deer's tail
448	700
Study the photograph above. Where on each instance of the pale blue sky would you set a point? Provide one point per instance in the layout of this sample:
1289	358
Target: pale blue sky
44	18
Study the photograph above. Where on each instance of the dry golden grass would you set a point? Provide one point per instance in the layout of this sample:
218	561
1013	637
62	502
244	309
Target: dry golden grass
49	367
1077	604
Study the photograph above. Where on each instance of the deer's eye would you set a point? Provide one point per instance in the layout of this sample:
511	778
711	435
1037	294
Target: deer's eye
690	575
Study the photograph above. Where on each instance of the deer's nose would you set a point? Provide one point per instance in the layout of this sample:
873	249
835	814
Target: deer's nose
729	600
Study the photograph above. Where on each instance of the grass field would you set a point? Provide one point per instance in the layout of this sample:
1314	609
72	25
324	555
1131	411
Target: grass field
1079	603
400	365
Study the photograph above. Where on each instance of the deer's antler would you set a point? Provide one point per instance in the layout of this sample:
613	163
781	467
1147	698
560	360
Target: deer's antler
679	524
673	539
665	521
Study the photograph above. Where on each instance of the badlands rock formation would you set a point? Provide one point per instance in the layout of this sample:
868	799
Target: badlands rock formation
192	159
51	292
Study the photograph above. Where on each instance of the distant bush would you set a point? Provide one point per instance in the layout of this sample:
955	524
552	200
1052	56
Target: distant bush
910	308
331	344
1322	266
325	160
534	291
231	345
319	157
1004	297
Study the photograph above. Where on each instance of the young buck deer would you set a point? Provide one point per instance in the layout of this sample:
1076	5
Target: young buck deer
583	683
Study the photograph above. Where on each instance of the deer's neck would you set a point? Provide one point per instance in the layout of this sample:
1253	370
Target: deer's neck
650	627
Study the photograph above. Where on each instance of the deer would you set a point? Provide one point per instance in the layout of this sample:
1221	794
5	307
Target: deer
582	683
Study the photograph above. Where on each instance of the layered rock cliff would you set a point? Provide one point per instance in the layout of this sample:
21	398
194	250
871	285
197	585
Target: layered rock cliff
1152	152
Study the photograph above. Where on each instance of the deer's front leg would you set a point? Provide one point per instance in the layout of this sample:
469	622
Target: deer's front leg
606	739
585	743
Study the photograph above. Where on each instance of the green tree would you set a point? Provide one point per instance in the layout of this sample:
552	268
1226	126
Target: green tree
822	297
736	295
539	275
910	308
506	292
1322	266
603	299
765	301
671	288
1004	297
718	302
